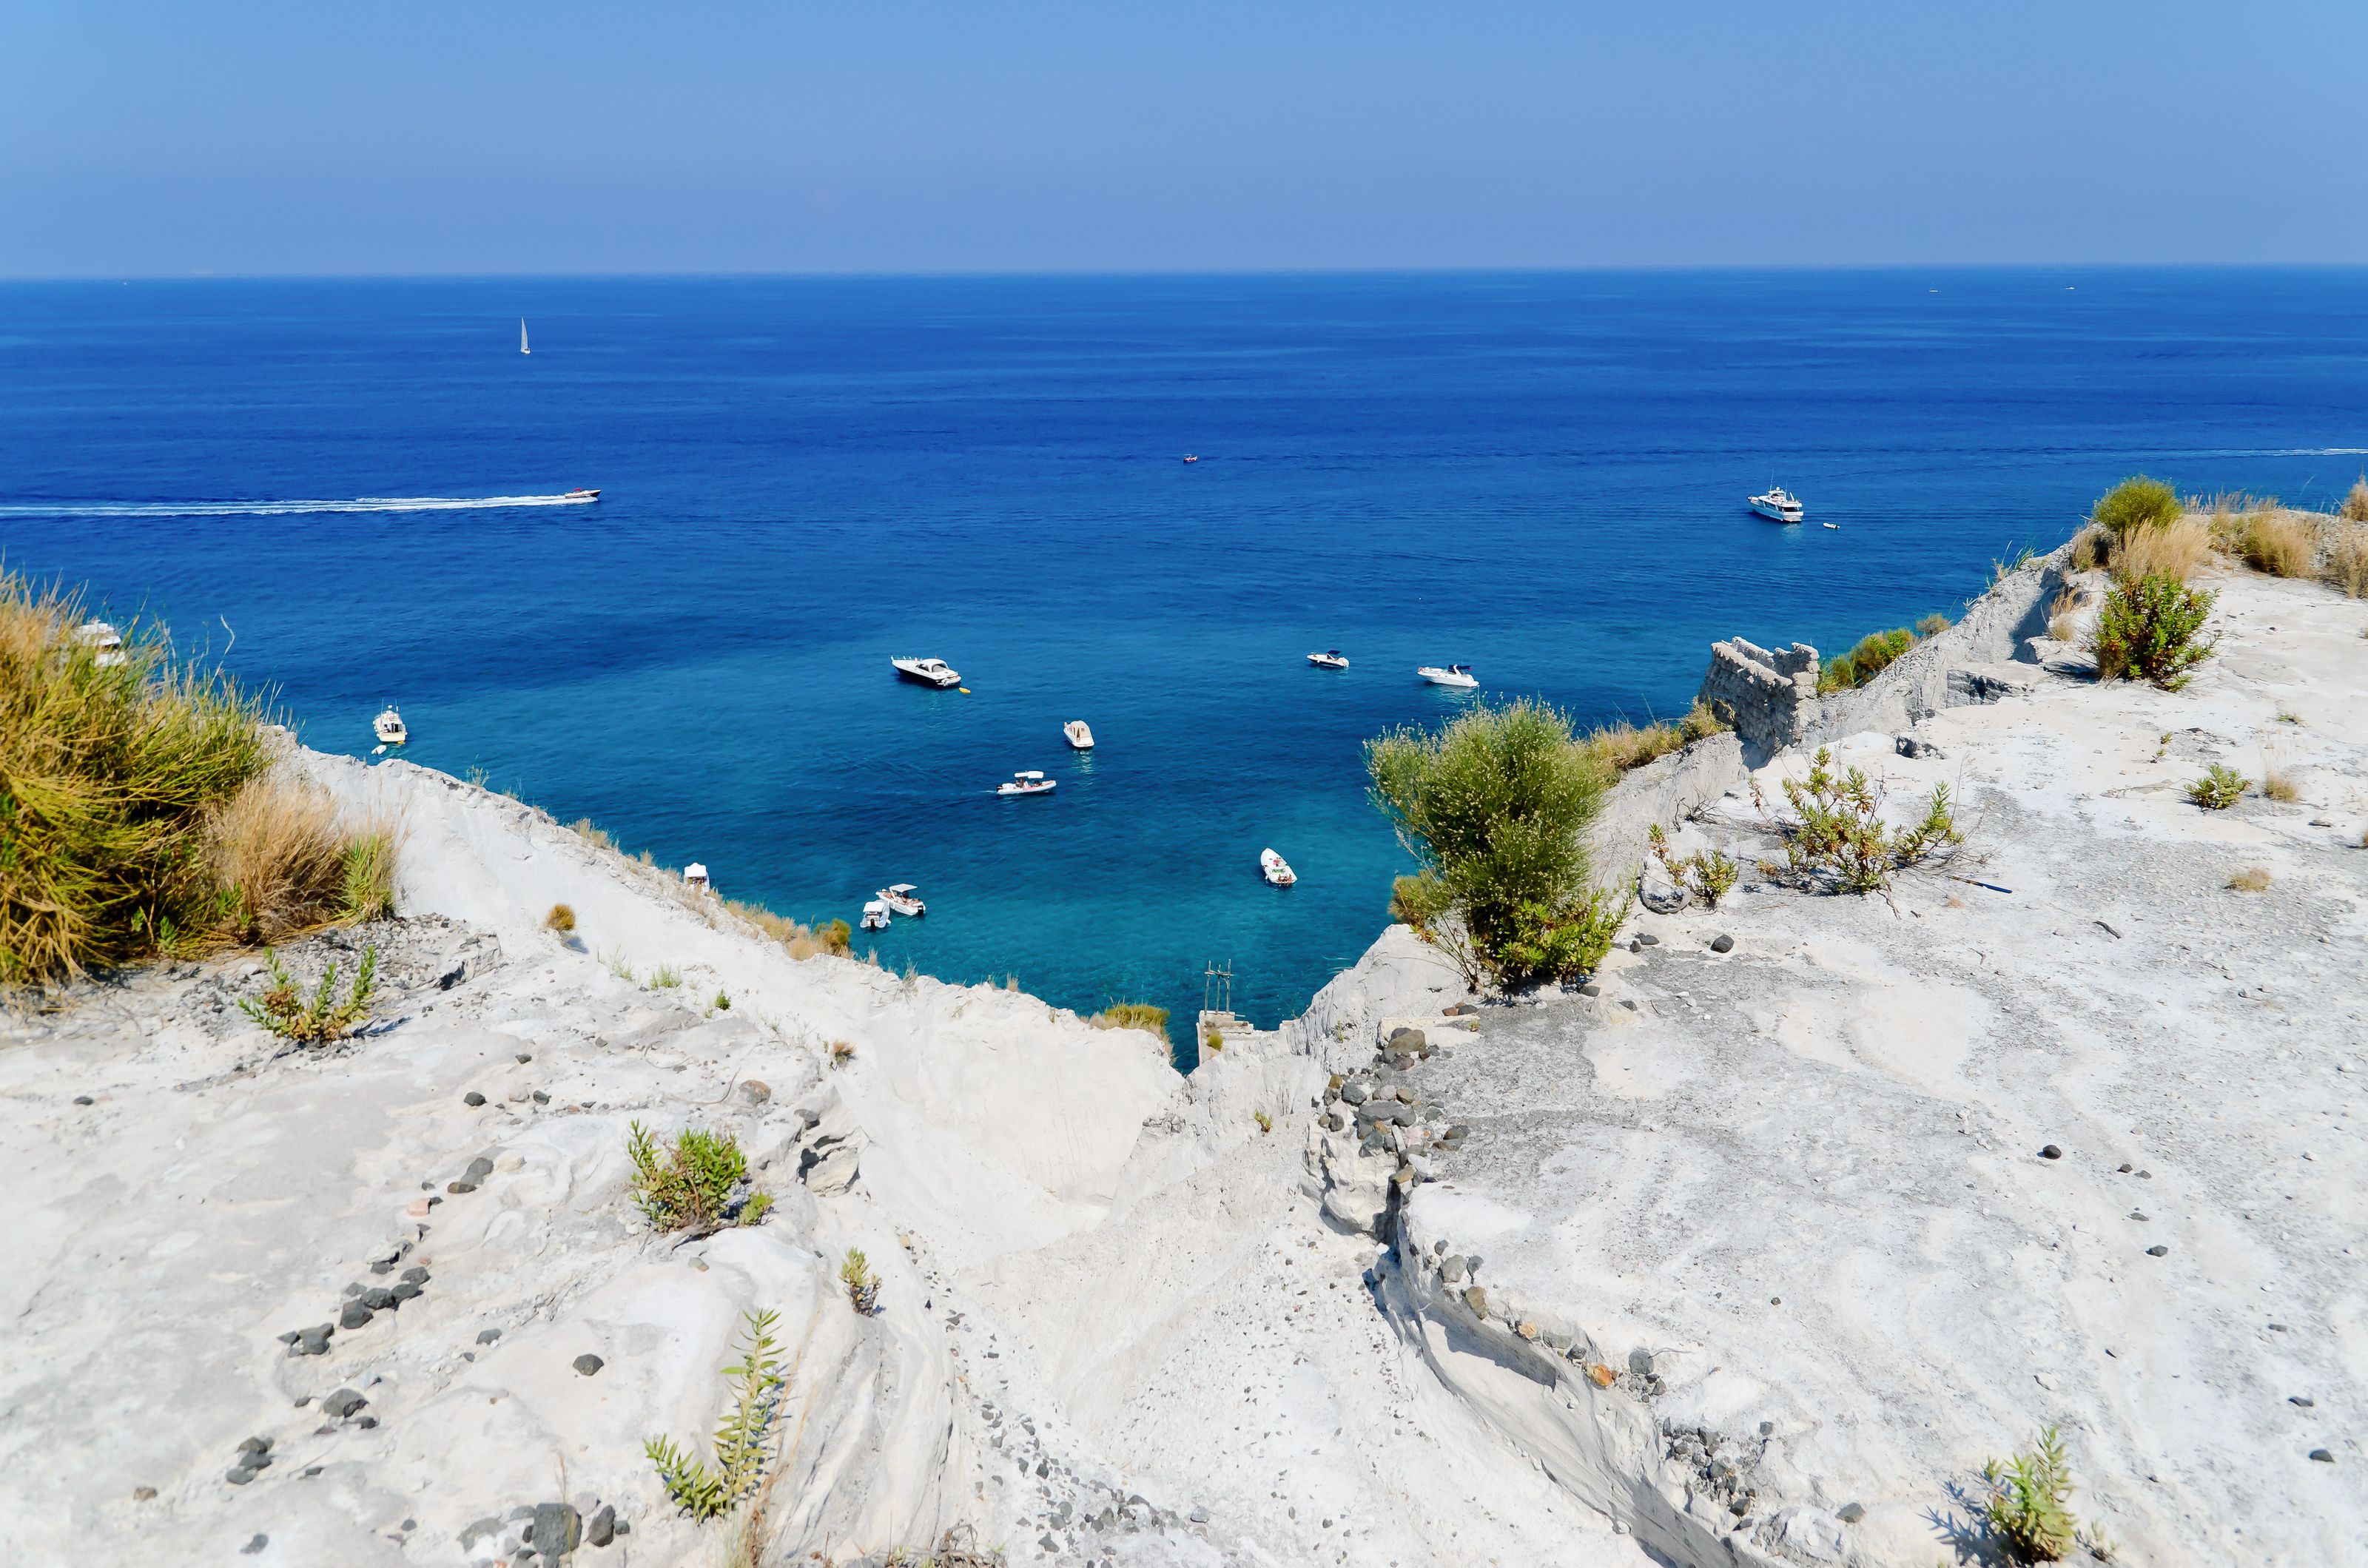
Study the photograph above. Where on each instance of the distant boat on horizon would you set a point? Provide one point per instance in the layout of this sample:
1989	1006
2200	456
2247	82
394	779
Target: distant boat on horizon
522	347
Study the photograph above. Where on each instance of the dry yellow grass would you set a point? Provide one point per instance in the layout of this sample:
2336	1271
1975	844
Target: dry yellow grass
2355	504
287	861
2178	551
2282	544
2280	786
2063	616
2091	548
2252	878
802	941
1621	746
2347	558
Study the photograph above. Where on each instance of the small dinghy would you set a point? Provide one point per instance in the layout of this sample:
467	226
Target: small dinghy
1080	737
1031	783
389	727
1331	660
875	915
1276	870
904	899
1457	675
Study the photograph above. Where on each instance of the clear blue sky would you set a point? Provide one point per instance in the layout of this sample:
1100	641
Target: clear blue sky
140	137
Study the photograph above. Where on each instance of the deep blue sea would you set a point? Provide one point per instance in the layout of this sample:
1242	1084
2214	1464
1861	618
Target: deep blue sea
1540	475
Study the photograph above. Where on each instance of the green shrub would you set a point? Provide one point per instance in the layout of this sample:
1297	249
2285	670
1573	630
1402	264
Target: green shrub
704	1491
665	977
1496	807
696	1186
862	1285
1707	875
283	1009
1566	942
2220	787
1875	654
2028	1508
1132	1016
2146	631
2135	505
1838	833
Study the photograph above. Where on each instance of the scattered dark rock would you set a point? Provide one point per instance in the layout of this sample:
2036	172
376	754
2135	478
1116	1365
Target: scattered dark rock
2322	1456
343	1402
379	1298
143	1493
2145	1175
2304	1400
85	1099
239	1475
756	1091
313	1341
460	1188
1403	1041
2051	1152
588	1363
1722	943
479	1169
557	1529
406	1292
1477	1299
1451	1268
1640	1362
453	977
524	1057
2157	1251
1646	939
601	1528
1198	1516
487	1336
254	1545
2136	1215
541	1097
416	1274
2125	1168
356	1315
1591	989
473	1098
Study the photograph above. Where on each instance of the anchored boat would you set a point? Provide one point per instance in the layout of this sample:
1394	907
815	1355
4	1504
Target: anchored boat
1081	738
1779	505
875	915
1029	783
1276	870
1457	675
929	672
904	899
1331	660
389	727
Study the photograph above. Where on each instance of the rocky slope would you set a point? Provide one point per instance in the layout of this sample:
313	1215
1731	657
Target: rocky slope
1770	1222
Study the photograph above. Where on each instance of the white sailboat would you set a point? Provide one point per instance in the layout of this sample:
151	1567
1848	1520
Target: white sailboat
522	347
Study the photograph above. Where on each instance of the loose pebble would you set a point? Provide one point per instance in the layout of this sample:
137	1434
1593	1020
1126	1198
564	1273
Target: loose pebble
143	1494
524	1057
588	1363
2322	1456
2051	1152
473	1098
254	1546
2157	1251
1722	943
85	1099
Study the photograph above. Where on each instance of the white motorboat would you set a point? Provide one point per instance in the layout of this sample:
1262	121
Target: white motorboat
1276	870
875	915
389	727
1779	505
1081	738
1031	783
1457	675
904	899
929	672
580	496
99	635
1333	660
694	877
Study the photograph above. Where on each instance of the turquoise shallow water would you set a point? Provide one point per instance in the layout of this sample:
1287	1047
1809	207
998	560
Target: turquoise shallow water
1541	475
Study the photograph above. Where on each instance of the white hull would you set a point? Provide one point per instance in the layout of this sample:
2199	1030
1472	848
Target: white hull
1327	661
928	672
1459	680
1276	870
389	728
1043	789
1778	506
1081	738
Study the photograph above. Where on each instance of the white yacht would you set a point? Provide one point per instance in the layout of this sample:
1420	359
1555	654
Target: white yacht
389	727
1276	870
103	637
929	672
875	915
1031	783
904	899
1779	505
1457	675
1331	660
1081	736
578	498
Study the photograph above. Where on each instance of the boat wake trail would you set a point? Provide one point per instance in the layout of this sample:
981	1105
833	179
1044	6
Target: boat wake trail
278	508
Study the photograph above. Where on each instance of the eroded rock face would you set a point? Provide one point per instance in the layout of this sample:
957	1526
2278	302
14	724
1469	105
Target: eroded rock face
1769	695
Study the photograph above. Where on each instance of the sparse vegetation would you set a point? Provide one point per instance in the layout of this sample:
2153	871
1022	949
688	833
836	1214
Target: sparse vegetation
665	977
2220	787
1265	1122
833	937
1563	944
284	1009
2280	544
561	919
842	1052
1211	1040
742	1447
2029	1506
700	1184
2347	558
2063	615
1709	875
2279	785
1622	746
2147	630
2252	878
2178	551
1838	836
140	814
585	829
2355	504
722	1003
1132	1016
620	968
862	1285
2136	505
1494	806
1875	653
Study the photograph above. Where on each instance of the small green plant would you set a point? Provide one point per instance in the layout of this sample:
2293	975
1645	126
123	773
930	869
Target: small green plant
369	867
723	1002
665	977
2028	1508
1838	831
283	1009
2136	505
705	1491
1265	1122
1565	943
2220	787
2252	878
561	919
1132	1016
1875	654
1709	875
1211	1040
620	968
842	1052
862	1285
697	1186
2147	630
